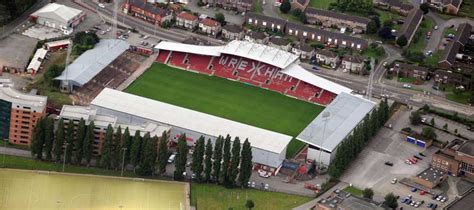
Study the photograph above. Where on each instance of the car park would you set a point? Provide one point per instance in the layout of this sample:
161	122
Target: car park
389	163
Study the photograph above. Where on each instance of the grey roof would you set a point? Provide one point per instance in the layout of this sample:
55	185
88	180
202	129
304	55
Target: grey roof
257	35
406	66
353	59
327	53
431	175
232	28
279	41
411	24
463	33
449	53
144	5
337	15
356	203
465	202
276	21
305	47
91	62
467	148
346	111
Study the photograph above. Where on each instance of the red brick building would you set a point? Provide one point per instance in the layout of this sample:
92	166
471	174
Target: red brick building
147	11
457	159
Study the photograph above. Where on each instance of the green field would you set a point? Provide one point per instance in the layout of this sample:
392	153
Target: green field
206	196
32	190
321	4
232	100
354	190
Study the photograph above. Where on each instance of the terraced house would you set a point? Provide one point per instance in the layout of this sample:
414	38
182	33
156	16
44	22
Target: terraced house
147	11
409	27
335	19
447	6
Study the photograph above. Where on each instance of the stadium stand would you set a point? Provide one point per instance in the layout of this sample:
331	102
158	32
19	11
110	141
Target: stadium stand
254	64
163	55
111	76
177	59
199	63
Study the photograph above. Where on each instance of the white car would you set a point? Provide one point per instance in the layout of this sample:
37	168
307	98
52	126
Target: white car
407	86
436	27
172	157
101	5
429	53
394	181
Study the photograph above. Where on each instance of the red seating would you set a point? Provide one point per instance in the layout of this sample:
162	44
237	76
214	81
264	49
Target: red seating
281	82
304	91
177	59
325	98
264	72
163	54
246	68
199	63
224	65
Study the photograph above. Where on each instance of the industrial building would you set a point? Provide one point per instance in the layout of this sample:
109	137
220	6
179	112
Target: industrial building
19	113
58	16
268	147
333	125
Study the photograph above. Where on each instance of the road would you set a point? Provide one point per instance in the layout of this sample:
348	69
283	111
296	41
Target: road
148	28
12	26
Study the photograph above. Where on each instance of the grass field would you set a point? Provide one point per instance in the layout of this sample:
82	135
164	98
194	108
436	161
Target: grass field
419	39
231	100
32	190
353	190
205	196
321	4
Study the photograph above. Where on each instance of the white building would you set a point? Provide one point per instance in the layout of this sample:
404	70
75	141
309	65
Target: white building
58	16
332	126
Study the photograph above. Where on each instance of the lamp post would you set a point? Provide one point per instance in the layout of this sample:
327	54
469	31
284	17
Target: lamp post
326	116
124	149
65	154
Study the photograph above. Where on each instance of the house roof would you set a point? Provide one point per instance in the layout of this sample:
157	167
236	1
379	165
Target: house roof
58	11
232	28
353	59
187	16
257	35
327	53
456	3
324	33
304	47
398	3
210	22
337	15
144	5
467	148
267	19
343	115
449	53
463	33
279	41
411	24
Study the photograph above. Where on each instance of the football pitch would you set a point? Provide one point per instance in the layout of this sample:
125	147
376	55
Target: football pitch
34	190
227	99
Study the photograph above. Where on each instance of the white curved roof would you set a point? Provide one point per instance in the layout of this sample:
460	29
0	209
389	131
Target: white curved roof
260	52
298	72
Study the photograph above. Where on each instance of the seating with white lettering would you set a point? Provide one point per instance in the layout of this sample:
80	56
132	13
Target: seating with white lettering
246	68
264	73
281	82
224	66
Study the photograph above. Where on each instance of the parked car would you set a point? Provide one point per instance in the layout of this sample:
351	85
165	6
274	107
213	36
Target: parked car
389	163
436	27
419	158
407	86
394	181
413	189
101	5
172	158
421	154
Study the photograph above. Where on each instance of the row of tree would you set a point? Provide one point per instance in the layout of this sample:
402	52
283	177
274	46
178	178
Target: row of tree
354	143
229	163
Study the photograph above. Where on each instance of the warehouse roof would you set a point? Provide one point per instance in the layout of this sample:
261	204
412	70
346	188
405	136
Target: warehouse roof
91	62
57	11
192	120
345	113
37	59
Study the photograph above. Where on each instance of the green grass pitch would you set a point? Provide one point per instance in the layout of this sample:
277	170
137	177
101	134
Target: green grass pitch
34	191
228	99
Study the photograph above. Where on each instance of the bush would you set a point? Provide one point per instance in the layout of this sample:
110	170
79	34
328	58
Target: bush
415	118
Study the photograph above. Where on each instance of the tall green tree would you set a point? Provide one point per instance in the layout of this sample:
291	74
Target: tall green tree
208	161
368	193
415	118
163	153
391	201
149	151
80	136
88	143
48	137
181	158
285	6
249	204
217	158
59	141
198	157
127	143
402	41
37	140
429	133
107	148
245	164
116	154
226	155
220	18
69	141
234	163
136	149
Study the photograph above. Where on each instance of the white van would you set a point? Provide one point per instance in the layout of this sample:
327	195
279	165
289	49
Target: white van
172	157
